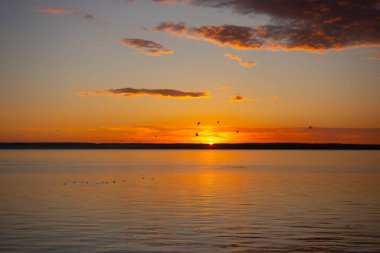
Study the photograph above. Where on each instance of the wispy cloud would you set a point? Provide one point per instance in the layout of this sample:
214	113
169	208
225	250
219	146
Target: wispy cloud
314	135
223	87
172	1
273	97
129	92
294	25
186	134
246	64
146	46
64	11
376	56
240	98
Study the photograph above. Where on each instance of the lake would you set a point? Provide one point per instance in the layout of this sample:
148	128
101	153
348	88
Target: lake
189	201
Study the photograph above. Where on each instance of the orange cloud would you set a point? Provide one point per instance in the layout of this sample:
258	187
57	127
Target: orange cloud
223	87
273	97
246	64
146	46
375	56
64	11
314	135
128	92
55	11
239	98
206	134
237	37
269	37
314	26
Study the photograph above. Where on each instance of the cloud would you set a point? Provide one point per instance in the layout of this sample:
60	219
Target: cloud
129	92
186	134
239	98
223	87
273	97
246	64
172	1
238	37
375	56
314	135
315	26
64	11
146	46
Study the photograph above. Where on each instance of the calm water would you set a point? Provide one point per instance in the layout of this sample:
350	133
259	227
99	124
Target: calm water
189	201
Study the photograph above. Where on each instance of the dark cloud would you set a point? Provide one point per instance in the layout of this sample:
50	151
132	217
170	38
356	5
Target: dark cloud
313	25
179	28
237	98
128	92
146	46
238	37
240	98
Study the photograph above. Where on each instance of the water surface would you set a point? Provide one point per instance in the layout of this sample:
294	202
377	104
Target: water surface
189	201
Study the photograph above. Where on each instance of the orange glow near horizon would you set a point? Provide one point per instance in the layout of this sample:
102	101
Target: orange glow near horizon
245	74
206	135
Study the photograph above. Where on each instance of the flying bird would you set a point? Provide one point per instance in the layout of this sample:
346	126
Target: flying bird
237	131
198	123
310	127
196	134
217	122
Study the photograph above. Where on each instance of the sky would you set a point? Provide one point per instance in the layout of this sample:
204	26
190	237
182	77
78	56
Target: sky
151	70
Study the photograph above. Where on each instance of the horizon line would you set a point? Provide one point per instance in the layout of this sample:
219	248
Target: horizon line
130	145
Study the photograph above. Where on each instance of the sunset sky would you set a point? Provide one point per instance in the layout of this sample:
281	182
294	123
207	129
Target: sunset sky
150	70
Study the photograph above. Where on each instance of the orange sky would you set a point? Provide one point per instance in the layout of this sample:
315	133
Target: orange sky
111	71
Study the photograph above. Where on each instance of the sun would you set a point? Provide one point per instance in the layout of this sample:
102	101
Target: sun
210	143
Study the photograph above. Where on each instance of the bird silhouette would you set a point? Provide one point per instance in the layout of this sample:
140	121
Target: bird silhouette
237	131
217	122
198	123
196	134
310	127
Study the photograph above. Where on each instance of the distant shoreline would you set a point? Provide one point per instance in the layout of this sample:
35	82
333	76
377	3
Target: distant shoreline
217	146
